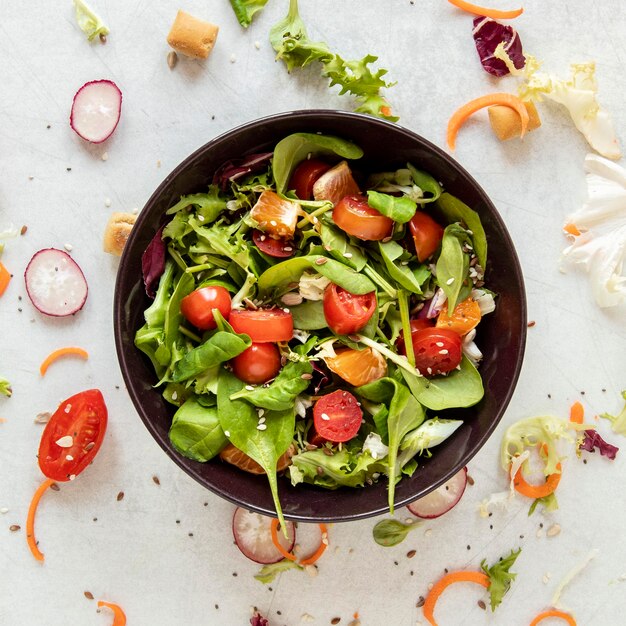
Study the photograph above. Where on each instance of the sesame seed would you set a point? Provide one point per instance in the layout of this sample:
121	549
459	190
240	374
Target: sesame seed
444	351
287	248
65	442
440	344
261	426
257	45
72	476
107	202
105	156
249	387
233	58
135	211
273	223
68	408
348	255
68	246
201	218
262	237
450	280
325	417
429	370
4	510
227	433
174	395
261	420
69	457
554	530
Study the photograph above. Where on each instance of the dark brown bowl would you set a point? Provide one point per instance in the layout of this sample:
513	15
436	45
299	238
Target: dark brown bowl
502	334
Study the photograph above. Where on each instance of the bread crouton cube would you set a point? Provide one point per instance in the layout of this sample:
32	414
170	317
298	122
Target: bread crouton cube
117	231
192	37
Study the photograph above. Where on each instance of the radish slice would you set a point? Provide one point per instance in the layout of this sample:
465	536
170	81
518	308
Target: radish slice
253	537
96	110
441	500
55	284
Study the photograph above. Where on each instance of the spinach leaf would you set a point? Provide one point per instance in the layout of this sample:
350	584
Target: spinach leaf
400	209
391	532
239	422
245	10
391	252
459	389
341	249
426	183
196	432
405	414
343	276
221	346
293	149
309	315
281	393
456	211
453	266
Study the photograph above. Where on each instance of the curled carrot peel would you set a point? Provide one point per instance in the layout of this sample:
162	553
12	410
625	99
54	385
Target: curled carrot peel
309	560
571	229
576	413
537	491
554	613
439	587
462	114
61	352
5	278
496	14
30	519
119	617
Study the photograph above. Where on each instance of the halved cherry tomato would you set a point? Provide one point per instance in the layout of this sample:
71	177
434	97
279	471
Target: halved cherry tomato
198	306
336	183
305	175
437	350
263	325
416	324
275	215
73	435
358	367
346	312
257	364
279	248
466	315
240	459
356	217
427	234
337	416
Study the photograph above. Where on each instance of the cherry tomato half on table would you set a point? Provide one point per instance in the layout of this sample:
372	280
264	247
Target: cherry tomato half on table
305	175
73	435
437	350
337	416
346	312
198	306
427	234
257	364
279	248
263	325
356	217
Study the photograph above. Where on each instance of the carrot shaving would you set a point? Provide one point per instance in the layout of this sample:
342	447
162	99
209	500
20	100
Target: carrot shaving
571	229
496	14
440	586
309	560
5	278
554	613
576	413
537	491
61	352
30	519
460	116
119	617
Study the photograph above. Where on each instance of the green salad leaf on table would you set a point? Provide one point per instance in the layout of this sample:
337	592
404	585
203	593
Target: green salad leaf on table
287	294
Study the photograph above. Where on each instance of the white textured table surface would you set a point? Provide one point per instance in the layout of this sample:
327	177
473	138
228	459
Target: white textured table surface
135	552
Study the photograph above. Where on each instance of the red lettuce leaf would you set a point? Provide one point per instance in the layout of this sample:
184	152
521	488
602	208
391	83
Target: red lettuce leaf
488	34
592	440
153	262
236	168
258	620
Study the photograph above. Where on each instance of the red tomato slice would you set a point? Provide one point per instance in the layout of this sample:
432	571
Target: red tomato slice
416	324
263	325
73	435
356	217
279	248
427	234
198	306
337	416
346	312
437	350
305	175
257	364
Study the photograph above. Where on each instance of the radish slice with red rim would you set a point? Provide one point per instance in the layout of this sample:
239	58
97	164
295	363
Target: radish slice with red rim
96	110
253	537
55	284
442	499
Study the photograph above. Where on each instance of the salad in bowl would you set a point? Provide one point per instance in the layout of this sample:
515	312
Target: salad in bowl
313	315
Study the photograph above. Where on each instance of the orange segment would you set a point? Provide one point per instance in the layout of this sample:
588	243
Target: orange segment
358	367
335	184
275	215
466	315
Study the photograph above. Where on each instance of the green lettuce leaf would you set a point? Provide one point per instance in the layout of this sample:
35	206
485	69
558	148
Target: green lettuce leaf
268	573
88	21
500	578
5	387
618	422
453	265
245	10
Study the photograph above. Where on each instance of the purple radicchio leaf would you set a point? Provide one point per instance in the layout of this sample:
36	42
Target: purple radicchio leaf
488	34
236	168
153	262
592	440
258	620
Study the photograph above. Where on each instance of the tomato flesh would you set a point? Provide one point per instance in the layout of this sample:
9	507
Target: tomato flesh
427	234
279	248
416	324
337	416
437	350
263	325
257	364
346	312
356	217
305	176
73	435
198	306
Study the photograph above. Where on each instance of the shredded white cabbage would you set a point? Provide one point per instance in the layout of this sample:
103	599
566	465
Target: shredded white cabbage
302	403
556	598
485	301
312	286
470	349
325	350
375	446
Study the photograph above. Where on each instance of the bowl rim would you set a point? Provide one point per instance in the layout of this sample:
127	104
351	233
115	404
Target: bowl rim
311	114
